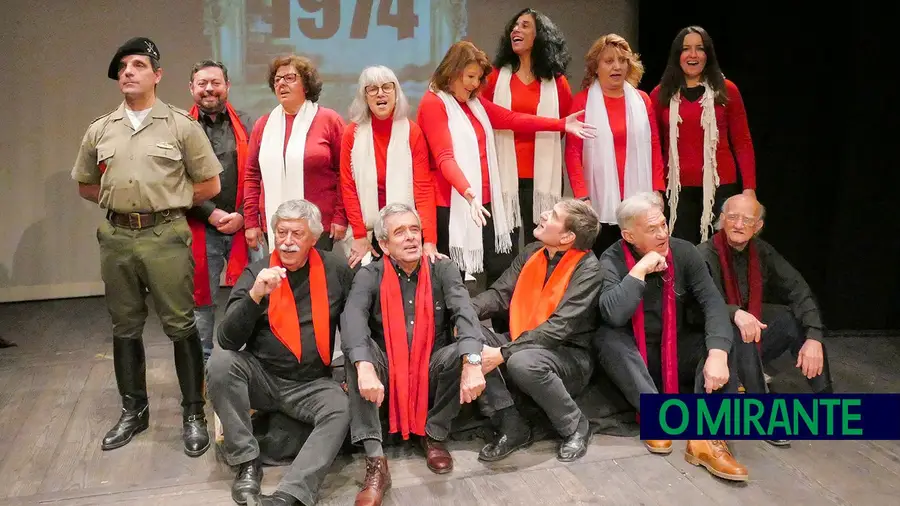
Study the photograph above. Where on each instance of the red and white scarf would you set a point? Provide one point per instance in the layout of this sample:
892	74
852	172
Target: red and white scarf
398	170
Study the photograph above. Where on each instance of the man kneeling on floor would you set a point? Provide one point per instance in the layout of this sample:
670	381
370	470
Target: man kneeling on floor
549	294
397	330
643	343
284	309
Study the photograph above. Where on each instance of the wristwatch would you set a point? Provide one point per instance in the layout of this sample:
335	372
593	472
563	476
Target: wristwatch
473	358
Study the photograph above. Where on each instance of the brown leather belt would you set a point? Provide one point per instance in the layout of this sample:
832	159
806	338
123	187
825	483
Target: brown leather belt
137	221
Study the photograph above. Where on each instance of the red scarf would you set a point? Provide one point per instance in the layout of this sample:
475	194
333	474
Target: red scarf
407	369
669	355
732	288
283	319
238	257
532	301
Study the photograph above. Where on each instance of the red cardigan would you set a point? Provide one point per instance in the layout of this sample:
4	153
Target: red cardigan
734	139
321	169
615	110
524	99
432	117
423	185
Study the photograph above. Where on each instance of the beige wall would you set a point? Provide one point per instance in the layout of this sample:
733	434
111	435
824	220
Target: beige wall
54	55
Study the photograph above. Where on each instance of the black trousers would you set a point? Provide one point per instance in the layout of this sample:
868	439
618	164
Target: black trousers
618	354
783	333
495	263
690	209
444	374
238	382
547	379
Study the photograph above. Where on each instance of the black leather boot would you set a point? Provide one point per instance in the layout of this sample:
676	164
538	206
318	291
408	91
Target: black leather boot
131	379
247	482
189	366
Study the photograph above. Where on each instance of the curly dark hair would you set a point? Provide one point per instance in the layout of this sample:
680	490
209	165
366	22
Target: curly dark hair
673	77
549	56
312	83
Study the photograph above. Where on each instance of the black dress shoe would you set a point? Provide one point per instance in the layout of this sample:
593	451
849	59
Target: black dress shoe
575	446
779	442
276	499
504	445
247	482
195	435
130	423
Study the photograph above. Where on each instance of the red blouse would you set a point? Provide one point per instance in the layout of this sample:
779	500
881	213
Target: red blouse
734	139
423	184
432	117
321	169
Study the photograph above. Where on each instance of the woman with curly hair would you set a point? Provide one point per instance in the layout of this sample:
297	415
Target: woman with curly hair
704	129
529	77
625	158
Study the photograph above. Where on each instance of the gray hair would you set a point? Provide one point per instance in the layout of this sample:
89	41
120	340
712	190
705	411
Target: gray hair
377	75
299	209
636	206
719	222
381	231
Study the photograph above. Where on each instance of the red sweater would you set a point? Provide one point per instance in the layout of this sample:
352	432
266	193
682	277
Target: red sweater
423	185
524	99
734	139
432	117
615	110
321	169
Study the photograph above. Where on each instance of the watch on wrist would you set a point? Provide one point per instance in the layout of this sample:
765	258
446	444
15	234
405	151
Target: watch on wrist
472	358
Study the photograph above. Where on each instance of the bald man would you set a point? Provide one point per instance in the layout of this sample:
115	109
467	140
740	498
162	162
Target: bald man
770	304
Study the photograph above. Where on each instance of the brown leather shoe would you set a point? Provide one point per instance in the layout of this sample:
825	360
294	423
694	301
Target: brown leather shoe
436	456
716	458
659	447
378	480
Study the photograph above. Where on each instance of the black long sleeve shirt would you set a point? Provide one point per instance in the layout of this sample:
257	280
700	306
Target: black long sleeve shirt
621	293
782	284
247	323
362	318
574	320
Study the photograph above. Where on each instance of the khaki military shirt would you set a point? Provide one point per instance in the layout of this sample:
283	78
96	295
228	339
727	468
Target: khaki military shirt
149	169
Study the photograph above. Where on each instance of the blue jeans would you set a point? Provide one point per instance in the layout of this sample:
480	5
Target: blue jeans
218	248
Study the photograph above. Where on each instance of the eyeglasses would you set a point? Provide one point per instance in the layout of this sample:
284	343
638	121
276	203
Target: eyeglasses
288	78
745	220
373	90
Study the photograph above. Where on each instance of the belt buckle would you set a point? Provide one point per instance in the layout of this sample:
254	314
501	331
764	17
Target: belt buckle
134	220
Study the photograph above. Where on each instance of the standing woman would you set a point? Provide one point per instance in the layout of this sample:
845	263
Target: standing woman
704	127
295	153
477	199
529	77
382	144
625	158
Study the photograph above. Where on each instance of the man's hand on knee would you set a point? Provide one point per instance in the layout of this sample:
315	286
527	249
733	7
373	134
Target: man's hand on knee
471	384
370	387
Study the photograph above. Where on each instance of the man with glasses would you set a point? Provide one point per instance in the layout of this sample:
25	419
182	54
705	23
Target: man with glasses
772	307
217	221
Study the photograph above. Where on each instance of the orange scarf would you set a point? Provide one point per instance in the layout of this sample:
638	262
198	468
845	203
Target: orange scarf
238	257
533	302
283	319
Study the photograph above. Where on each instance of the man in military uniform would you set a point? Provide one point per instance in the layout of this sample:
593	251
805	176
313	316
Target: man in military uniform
146	163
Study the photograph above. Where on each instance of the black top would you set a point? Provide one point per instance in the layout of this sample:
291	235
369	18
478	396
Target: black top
247	322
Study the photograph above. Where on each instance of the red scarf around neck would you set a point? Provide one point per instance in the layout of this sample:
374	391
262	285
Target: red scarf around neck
730	280
669	354
283	318
238	256
533	301
407	368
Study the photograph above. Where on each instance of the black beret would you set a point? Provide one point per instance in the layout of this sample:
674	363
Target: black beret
137	45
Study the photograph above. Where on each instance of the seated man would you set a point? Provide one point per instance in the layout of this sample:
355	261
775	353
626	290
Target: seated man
549	295
771	305
284	309
643	344
397	330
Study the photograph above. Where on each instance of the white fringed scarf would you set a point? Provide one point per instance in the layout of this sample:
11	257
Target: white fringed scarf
398	169
466	246
599	153
282	169
547	145
710	171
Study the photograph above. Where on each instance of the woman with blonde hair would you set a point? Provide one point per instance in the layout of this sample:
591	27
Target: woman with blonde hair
625	158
